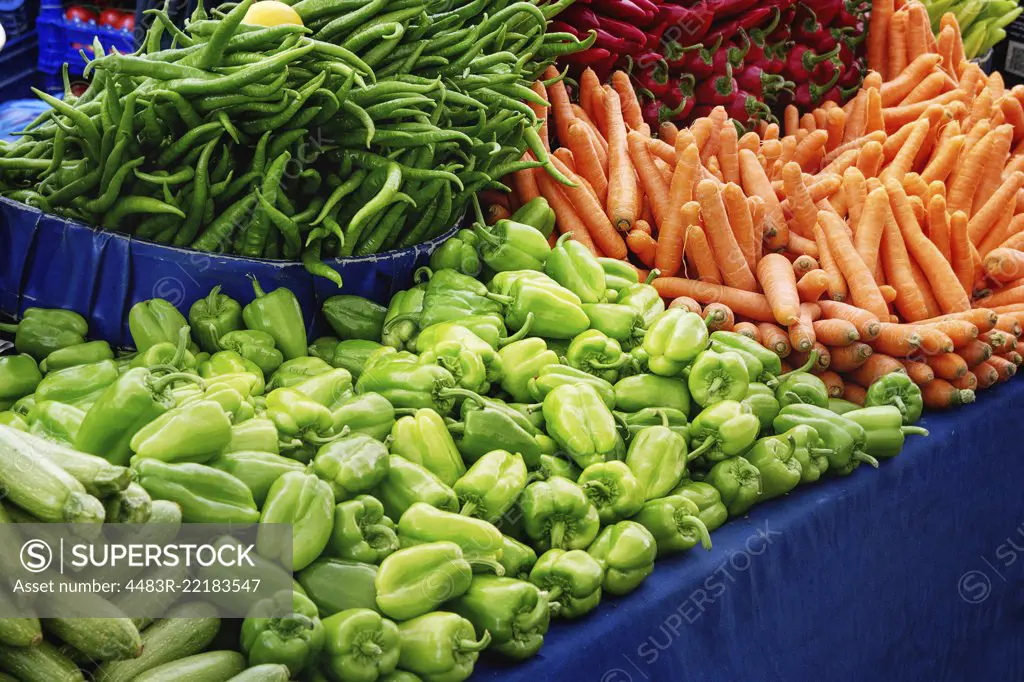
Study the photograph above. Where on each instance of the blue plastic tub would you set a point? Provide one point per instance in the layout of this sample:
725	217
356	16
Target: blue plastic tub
52	262
62	41
16	18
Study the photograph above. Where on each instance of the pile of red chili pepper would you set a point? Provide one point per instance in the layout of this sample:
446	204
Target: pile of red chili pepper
750	56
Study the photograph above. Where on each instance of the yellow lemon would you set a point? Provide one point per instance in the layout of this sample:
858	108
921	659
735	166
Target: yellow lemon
271	13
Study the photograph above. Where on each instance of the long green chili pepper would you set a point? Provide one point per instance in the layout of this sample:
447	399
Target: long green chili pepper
315	266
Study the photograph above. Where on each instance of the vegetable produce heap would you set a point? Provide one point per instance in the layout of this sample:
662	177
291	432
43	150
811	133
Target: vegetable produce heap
537	436
366	129
750	57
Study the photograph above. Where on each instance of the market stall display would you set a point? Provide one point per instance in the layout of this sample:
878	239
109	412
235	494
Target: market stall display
639	339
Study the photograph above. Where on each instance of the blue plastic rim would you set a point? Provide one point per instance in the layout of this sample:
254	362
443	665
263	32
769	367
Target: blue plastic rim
52	262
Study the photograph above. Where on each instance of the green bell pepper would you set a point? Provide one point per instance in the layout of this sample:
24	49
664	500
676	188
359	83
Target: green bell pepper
619	275
675	523
132	402
79	354
620	322
450	295
813	460
255	346
465	365
492	485
642	297
416	580
555	465
514	612
154	321
883	425
550	377
360	645
579	421
453	332
738	482
213	317
899	390
842	437
13	420
257	470
43	331
717	376
657	456
19	376
293	372
174	355
550	309
230	363
557	513
489	425
422	524
297	415
538	214
710	509
408	483
642	391
55	421
613	489
278	314
490	327
306	503
352	465
800	386
258	435
423	438
522	361
508	245
335	585
205	494
723	430
516	558
402	319
840	406
351	355
440	647
635	422
626	551
572	580
411	385
194	432
355	317
595	353
503	282
367	413
755	370
781	471
674	338
361	531
295	640
572	265
458	253
332	388
80	385
762	403
771	363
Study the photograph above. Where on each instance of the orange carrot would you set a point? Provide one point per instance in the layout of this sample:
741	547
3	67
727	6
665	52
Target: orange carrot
802	246
975	352
832	332
651	180
848	358
869	159
945	50
856	118
742	222
904	161
1010	326
927	89
496	212
862	287
689	304
898	35
868	326
960	332
870	227
941	395
983	221
589	83
748	329
801	332
999	232
642	244
898	340
873	118
987	375
919	372
899	273
631	112
667	131
805	213
589	165
745	303
878	32
854	393
812	286
735	272
875	367
524	182
567	219
814	120
822	358
600	228
970	170
791	120
622	180
835	127
931	305
897	117
756	183
960	245
561	107
984	319
837	287
808	153
727	154
993	177
888	293
933	340
775	274
856	191
698	250
804	264
541	112
718	317
774	338
1004	265
968	381
673	227
948	366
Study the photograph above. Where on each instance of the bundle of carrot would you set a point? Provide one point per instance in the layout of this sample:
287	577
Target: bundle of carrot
887	235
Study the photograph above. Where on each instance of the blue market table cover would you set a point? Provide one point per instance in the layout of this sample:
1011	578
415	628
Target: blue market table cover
911	572
52	262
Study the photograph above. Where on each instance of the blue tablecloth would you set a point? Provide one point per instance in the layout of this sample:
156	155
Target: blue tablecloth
911	572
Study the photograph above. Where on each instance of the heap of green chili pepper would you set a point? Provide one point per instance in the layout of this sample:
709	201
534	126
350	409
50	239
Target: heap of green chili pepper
366	130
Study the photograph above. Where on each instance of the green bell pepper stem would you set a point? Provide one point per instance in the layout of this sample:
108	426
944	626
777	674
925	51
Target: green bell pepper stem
812	359
523	332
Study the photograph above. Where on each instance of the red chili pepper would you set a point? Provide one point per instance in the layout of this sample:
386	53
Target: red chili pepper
717	90
848	15
745	108
650	74
699	62
727	8
599	59
628	38
625	10
809	95
760	83
617	44
825	11
759	35
729	29
806	26
853	75
580	18
803	63
685	26
731	54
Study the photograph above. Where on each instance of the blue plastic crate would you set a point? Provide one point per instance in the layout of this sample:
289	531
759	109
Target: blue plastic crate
16	16
16	57
62	41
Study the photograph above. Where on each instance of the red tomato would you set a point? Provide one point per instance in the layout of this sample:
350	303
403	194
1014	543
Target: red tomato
79	13
127	22
110	17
